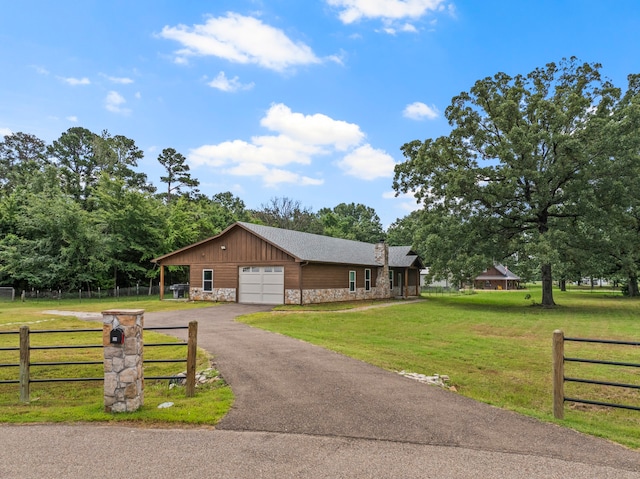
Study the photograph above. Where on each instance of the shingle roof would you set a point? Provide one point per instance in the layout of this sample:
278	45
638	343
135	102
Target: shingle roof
319	248
504	272
401	256
325	249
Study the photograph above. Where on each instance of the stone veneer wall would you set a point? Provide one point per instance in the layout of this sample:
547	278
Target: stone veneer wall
310	296
291	296
123	370
218	294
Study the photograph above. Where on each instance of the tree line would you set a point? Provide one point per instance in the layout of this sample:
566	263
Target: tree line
76	213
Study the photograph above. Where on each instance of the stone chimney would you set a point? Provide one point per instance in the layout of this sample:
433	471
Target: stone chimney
381	256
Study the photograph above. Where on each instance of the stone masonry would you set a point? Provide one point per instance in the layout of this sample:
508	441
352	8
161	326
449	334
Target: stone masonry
123	371
218	294
381	255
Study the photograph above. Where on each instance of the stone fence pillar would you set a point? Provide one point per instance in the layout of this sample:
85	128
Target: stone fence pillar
123	373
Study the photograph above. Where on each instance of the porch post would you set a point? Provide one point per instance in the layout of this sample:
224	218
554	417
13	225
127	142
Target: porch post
161	281
406	283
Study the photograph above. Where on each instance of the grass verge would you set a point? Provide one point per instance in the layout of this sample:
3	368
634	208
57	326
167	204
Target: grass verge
83	401
495	347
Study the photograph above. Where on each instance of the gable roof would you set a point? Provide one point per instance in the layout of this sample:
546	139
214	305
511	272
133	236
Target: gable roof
318	248
503	271
403	257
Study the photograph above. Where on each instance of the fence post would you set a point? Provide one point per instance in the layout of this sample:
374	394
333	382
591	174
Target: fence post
558	374
192	347
25	359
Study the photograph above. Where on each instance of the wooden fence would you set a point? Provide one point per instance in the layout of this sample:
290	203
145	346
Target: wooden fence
25	378
559	377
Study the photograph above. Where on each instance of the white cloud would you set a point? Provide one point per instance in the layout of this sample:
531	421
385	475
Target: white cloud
119	80
297	140
392	13
407	27
315	129
367	163
276	176
420	111
263	150
240	39
72	118
355	10
114	102
138	95
5	132
221	82
76	81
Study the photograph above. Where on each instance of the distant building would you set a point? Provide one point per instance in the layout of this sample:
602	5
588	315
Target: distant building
426	280
497	277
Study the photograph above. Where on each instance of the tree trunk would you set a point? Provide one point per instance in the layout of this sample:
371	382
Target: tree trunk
633	286
547	287
563	284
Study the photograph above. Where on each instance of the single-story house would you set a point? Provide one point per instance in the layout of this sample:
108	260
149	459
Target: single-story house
497	277
249	263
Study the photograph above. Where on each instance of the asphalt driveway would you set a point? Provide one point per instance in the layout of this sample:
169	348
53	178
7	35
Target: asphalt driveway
303	411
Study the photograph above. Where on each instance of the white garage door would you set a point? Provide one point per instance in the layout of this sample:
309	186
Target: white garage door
261	285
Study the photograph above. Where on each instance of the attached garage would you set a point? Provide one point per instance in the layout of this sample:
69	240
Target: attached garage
261	284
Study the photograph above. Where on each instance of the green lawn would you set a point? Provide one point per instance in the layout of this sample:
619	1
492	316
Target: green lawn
495	347
83	401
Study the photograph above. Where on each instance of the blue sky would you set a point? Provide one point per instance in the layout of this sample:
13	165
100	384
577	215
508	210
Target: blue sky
308	99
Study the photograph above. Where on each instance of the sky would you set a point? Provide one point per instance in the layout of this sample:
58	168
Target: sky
306	99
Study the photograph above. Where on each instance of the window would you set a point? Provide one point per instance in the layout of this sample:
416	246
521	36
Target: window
268	269
367	280
352	281
390	279
207	280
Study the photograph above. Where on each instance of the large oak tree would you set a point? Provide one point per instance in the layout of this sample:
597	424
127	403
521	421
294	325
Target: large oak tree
521	159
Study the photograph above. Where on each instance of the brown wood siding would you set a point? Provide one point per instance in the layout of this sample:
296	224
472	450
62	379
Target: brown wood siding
292	276
328	276
224	275
241	248
492	271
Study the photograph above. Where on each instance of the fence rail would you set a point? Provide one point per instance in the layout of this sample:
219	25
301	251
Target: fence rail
25	362
559	377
